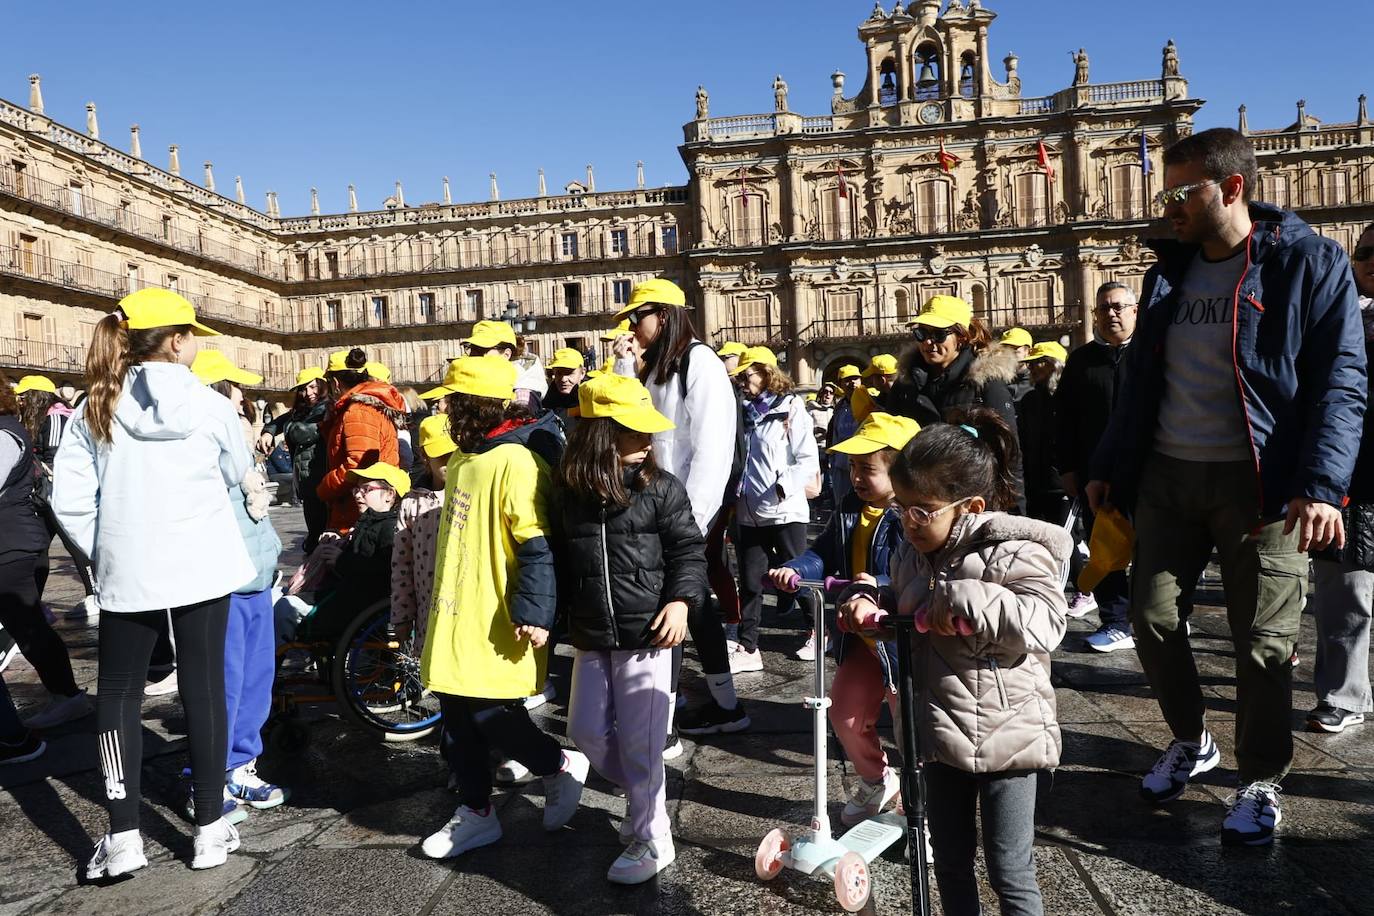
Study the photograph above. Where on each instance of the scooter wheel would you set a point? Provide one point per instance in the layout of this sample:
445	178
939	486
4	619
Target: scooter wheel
852	882
768	860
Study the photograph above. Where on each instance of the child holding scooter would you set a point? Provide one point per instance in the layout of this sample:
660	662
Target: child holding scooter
985	589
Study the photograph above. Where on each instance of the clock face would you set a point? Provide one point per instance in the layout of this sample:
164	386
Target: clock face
930	113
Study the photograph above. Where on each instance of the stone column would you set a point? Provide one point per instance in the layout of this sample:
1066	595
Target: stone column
791	177
352	199
495	191
209	176
173	160
135	148
903	70
92	125
639	175
314	202
873	77
36	94
543	189
982	73
1085	262
448	194
238	188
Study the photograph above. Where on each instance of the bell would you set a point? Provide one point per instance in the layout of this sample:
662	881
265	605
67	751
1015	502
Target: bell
889	83
927	77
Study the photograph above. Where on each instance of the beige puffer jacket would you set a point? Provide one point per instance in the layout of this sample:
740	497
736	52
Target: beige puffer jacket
984	702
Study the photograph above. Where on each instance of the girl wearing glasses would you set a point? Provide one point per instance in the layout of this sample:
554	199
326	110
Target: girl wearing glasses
989	587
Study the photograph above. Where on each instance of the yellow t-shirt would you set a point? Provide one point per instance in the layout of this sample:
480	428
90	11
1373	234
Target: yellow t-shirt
493	502
861	538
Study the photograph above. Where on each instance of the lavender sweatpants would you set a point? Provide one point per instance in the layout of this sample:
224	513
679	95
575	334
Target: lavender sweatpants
618	717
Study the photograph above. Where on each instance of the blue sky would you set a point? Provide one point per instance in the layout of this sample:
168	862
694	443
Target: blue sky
296	93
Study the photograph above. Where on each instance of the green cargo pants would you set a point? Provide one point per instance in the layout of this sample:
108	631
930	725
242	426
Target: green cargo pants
1185	508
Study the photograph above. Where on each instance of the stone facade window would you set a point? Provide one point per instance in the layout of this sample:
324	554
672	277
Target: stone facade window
753	319
1032	199
669	239
333	314
19	178
1335	188
620	292
331	264
932	207
572	298
472	299
1034	302
1274	190
76	201
568	241
902	306
620	242
380	312
426	306
842	317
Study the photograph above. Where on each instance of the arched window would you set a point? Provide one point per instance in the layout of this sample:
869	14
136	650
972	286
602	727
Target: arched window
887	86
903	304
932	207
1031	205
839	211
928	71
980	303
967	74
1128	196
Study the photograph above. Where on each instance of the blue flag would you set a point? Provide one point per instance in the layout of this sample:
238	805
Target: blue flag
1145	166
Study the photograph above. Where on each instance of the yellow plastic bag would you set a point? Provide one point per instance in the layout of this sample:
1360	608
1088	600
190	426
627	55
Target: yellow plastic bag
1109	549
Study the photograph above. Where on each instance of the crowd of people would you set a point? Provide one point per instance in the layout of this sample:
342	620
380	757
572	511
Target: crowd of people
1219	408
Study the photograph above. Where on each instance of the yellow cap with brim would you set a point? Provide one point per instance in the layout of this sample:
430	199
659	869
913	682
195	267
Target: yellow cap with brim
657	291
1047	350
161	308
617	332
847	371
1017	337
488	334
338	361
810	396
624	400
879	431
882	364
35	383
435	439
566	358
863	402
486	376
756	356
212	366
307	375
945	312
377	371
386	473
731	348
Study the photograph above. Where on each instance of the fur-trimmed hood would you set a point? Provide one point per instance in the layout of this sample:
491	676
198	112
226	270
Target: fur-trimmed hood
378	395
996	363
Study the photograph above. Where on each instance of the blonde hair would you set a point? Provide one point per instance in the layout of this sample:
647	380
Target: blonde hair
113	351
412	399
775	380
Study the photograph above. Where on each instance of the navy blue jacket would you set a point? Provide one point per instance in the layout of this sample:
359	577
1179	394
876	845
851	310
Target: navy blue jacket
1300	365
829	555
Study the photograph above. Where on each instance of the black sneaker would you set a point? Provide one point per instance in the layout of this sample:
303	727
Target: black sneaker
672	748
1253	815
27	748
1333	719
710	718
8	649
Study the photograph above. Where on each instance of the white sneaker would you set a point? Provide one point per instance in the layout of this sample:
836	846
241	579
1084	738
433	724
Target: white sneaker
465	830
1181	762
641	861
1081	605
539	699
511	772
117	854
563	790
86	607
245	785
742	662
1253	816
62	711
807	653
869	799
163	687
213	844
1110	637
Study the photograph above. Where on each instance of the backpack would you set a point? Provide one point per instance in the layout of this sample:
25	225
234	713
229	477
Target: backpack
741	452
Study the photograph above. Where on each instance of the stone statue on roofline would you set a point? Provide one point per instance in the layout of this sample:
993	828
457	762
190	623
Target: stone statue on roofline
779	93
1170	59
703	103
1080	68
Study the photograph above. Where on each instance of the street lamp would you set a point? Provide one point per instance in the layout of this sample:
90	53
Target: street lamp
518	322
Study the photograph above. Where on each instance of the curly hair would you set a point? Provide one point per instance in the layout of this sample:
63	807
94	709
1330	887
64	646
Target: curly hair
472	418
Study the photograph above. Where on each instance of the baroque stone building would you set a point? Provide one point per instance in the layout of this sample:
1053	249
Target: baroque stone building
819	235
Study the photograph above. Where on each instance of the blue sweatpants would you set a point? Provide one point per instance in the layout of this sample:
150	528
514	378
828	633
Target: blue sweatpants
250	662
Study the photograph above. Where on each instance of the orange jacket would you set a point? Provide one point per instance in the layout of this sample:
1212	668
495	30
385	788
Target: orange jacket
359	431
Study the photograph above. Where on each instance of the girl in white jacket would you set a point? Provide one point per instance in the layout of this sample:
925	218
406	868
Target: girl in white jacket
141	485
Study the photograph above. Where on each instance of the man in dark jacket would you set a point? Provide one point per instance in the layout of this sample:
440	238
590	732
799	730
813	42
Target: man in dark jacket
1237	428
1087	393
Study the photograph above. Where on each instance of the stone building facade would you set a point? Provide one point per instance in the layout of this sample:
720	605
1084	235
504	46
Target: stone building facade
819	235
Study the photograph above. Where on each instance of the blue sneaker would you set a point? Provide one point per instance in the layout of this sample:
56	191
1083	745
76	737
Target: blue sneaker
233	812
244	784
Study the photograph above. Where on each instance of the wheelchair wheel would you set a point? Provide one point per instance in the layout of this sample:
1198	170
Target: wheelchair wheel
377	679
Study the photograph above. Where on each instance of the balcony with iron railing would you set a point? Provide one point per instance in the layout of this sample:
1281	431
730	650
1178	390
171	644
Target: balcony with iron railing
545	313
41	356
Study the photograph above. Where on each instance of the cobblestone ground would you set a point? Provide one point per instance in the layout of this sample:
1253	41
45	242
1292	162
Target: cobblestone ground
347	841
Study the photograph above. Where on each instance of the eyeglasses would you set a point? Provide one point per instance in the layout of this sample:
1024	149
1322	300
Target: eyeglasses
639	315
1117	307
365	488
931	335
1179	194
923	517
1363	253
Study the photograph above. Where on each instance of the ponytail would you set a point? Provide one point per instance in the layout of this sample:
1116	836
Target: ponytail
975	454
113	351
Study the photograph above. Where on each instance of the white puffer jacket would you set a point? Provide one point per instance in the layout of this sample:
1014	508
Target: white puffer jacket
782	460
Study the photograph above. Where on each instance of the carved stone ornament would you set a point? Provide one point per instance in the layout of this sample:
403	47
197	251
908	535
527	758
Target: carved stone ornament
841	269
1130	248
936	262
1032	256
749	276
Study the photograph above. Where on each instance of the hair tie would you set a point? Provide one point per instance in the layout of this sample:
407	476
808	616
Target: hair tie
971	431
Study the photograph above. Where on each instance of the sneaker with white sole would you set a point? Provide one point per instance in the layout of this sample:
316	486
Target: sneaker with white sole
642	860
244	784
1180	762
868	799
1110	637
117	854
213	844
510	772
711	718
539	699
86	607
467	829
1081	605
563	790
1253	815
807	653
233	812
1332	719
672	747
742	661
61	711
163	686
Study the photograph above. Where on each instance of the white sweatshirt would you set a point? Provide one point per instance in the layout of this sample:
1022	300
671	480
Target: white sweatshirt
151	508
783	459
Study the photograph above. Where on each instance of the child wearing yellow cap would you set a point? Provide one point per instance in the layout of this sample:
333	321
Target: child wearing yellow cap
843	424
861	537
493	605
631	564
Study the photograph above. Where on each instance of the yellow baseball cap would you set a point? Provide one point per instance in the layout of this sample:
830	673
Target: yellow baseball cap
622	399
1048	349
945	312
657	291
879	431
1017	337
212	366
755	356
848	370
160	308
338	361
481	376
377	370
810	396
863	402
731	348
882	364
617	332
35	383
307	375
435	439
386	473
566	358
488	334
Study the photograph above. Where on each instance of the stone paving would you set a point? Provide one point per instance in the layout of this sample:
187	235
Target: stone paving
347	841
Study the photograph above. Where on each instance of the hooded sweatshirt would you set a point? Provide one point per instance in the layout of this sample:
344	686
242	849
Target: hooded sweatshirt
361	430
151	507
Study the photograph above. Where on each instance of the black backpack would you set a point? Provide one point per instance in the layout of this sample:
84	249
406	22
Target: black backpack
741	452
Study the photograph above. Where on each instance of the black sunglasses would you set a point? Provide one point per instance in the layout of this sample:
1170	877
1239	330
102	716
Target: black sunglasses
639	315
933	335
1363	253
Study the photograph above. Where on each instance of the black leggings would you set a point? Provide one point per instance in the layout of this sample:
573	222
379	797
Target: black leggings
126	644
472	726
21	614
760	548
79	559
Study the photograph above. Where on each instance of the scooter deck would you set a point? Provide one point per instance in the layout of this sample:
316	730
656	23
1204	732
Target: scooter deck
870	837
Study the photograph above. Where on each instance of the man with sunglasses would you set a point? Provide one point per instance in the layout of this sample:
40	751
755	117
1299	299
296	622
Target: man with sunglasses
1236	428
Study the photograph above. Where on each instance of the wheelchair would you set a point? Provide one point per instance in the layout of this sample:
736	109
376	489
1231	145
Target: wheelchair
370	673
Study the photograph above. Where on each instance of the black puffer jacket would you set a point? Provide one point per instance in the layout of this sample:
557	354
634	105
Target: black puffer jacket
972	380
617	568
